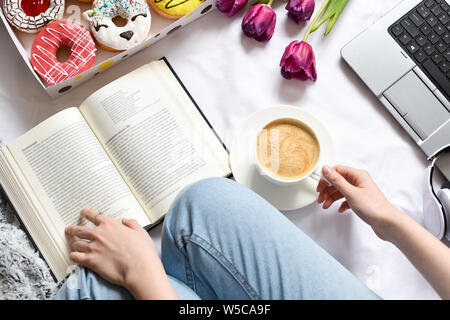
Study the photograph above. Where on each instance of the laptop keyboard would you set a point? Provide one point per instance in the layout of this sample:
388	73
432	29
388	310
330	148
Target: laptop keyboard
424	33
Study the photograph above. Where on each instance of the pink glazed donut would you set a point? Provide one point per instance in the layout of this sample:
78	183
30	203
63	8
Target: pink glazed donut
50	39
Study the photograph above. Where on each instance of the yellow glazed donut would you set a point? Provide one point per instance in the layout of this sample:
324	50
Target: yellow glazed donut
174	9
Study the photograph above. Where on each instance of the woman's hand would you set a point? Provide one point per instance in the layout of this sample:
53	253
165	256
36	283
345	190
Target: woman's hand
429	255
121	252
361	195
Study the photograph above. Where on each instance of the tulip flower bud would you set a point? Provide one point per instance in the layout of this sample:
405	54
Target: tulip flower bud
259	22
300	10
298	62
230	7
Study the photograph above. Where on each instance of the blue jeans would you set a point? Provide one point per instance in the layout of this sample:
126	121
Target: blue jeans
220	240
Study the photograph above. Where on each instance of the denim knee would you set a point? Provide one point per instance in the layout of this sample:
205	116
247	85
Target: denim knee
215	200
200	194
198	200
205	189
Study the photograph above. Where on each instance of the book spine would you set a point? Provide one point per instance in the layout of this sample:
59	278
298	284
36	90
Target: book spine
193	101
230	176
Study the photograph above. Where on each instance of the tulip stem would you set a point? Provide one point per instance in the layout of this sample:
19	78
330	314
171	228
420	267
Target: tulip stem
318	15
270	3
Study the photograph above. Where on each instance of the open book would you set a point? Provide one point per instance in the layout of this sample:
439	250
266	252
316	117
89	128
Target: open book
126	151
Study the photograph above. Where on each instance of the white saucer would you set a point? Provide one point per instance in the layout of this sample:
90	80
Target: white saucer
244	168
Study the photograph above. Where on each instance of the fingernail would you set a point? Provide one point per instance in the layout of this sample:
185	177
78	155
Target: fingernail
84	212
326	170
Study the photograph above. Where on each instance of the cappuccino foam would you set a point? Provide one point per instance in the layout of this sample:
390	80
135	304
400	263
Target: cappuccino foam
287	149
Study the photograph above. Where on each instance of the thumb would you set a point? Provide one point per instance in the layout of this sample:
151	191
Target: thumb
337	180
131	223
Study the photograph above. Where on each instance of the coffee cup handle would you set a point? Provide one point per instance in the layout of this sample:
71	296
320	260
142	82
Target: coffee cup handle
317	175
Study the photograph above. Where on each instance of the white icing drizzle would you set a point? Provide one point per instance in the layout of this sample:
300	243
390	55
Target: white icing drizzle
83	52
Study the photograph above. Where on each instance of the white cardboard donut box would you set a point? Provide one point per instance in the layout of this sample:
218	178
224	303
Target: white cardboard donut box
160	27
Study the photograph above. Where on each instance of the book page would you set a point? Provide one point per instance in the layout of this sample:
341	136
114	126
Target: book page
155	135
68	170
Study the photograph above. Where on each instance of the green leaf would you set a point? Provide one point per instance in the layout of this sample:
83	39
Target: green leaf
334	10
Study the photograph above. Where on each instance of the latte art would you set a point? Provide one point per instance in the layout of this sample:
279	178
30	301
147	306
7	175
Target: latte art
287	149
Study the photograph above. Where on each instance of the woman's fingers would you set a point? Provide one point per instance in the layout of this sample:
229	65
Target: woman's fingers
328	196
80	245
81	232
93	216
133	224
82	258
344	206
322	185
354	176
324	190
327	193
337	180
331	199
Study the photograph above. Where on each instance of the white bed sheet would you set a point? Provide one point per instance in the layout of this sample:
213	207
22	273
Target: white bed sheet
231	76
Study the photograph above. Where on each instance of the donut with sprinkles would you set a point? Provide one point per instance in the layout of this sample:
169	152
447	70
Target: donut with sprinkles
47	43
136	21
31	16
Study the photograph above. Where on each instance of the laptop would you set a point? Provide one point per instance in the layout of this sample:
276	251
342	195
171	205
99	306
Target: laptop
404	59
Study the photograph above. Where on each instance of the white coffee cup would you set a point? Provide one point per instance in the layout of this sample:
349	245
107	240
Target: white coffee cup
313	173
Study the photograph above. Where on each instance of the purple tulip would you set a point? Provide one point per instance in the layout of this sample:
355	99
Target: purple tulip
300	10
230	7
298	62
259	22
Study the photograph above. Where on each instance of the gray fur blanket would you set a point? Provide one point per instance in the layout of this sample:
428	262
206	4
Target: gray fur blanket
23	273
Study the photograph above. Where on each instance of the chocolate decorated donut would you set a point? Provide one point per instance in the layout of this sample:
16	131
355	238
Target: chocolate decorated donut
47	43
32	15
